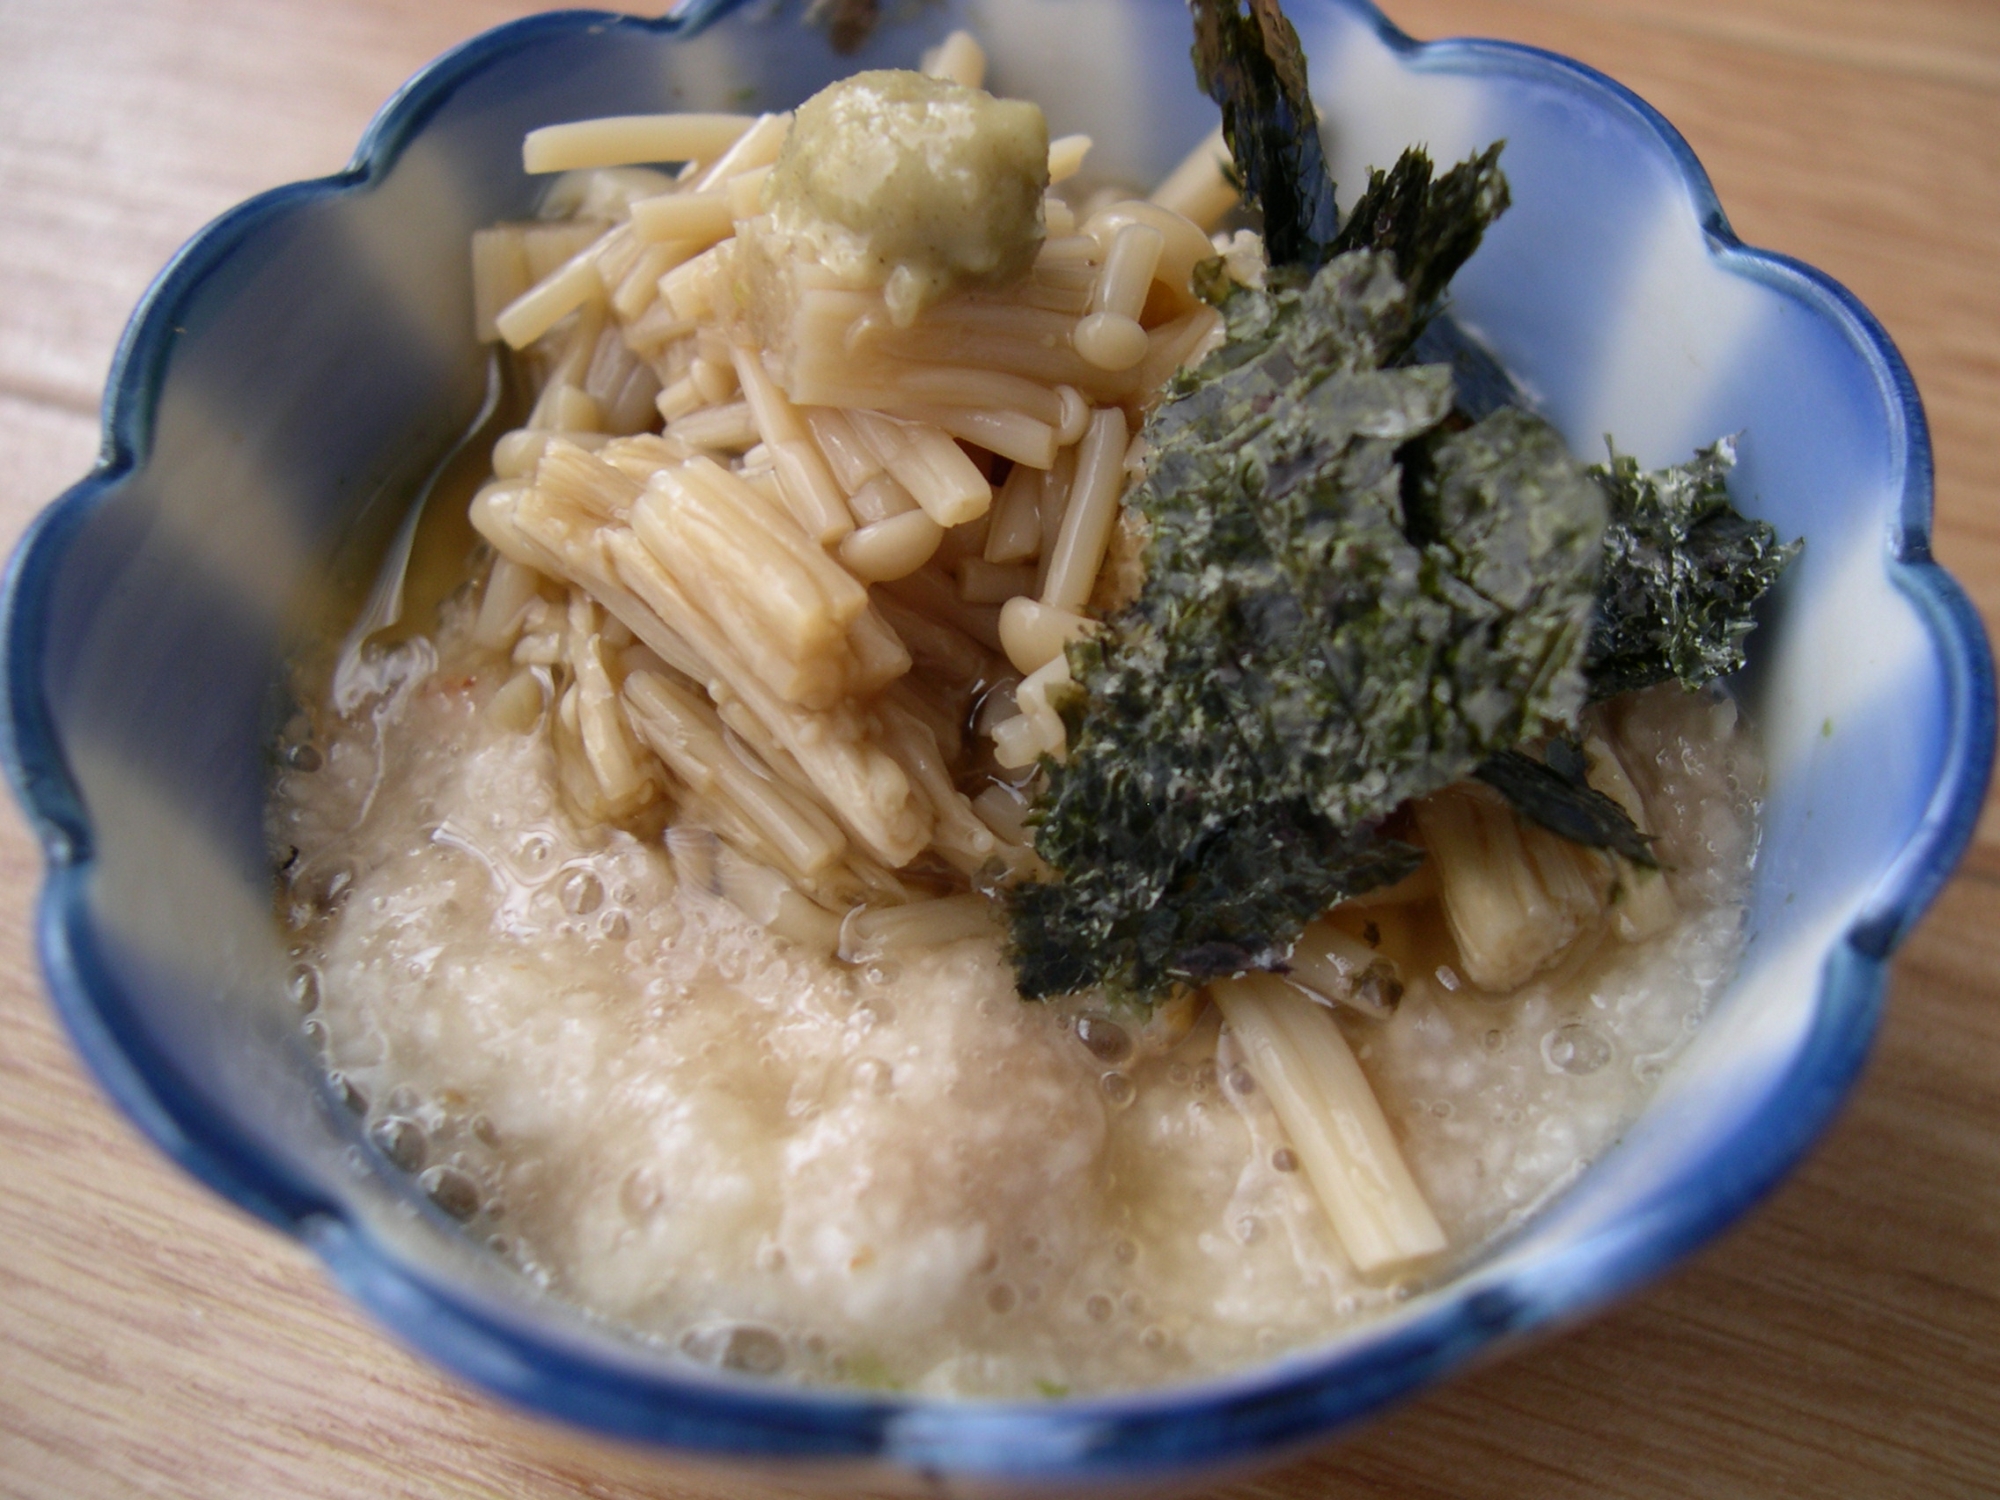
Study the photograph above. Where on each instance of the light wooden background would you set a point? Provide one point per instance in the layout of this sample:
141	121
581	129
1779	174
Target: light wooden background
1844	1343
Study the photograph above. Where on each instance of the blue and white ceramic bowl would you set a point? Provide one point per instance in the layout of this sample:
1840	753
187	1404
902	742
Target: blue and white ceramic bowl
303	361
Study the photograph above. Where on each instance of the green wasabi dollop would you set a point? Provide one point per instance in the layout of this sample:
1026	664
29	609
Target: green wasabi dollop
913	184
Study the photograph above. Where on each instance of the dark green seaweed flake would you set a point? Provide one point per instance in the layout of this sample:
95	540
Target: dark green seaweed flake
1564	803
1355	594
1347	603
1253	67
1429	226
1683	572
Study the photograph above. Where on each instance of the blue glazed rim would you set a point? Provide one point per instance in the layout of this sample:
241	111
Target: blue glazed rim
1254	1415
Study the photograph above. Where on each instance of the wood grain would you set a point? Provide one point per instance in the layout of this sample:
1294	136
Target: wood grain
1844	1342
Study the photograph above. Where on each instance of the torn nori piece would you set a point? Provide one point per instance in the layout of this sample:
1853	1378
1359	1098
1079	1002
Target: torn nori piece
1316	324
1252	65
1320	637
1354	594
1564	756
1293	307
1683	571
1430	226
1563	804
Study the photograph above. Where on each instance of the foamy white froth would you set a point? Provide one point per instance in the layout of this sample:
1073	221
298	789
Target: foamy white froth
901	1173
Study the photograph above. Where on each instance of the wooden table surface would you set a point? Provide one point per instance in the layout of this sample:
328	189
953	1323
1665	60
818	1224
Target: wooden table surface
1843	1343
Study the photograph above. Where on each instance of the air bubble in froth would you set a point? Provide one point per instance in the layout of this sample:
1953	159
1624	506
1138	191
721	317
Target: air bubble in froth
640	1193
1098	1307
1118	1090
402	1140
328	890
1104	1039
451	1190
303	757
873	1075
345	1091
303	987
1000	1298
1285	1159
748	1347
1576	1047
580	892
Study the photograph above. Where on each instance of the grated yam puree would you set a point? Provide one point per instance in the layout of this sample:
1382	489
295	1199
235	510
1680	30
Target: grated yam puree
899	1174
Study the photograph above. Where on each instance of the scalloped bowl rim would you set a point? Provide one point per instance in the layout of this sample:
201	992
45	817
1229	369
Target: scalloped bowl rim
1249	1414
